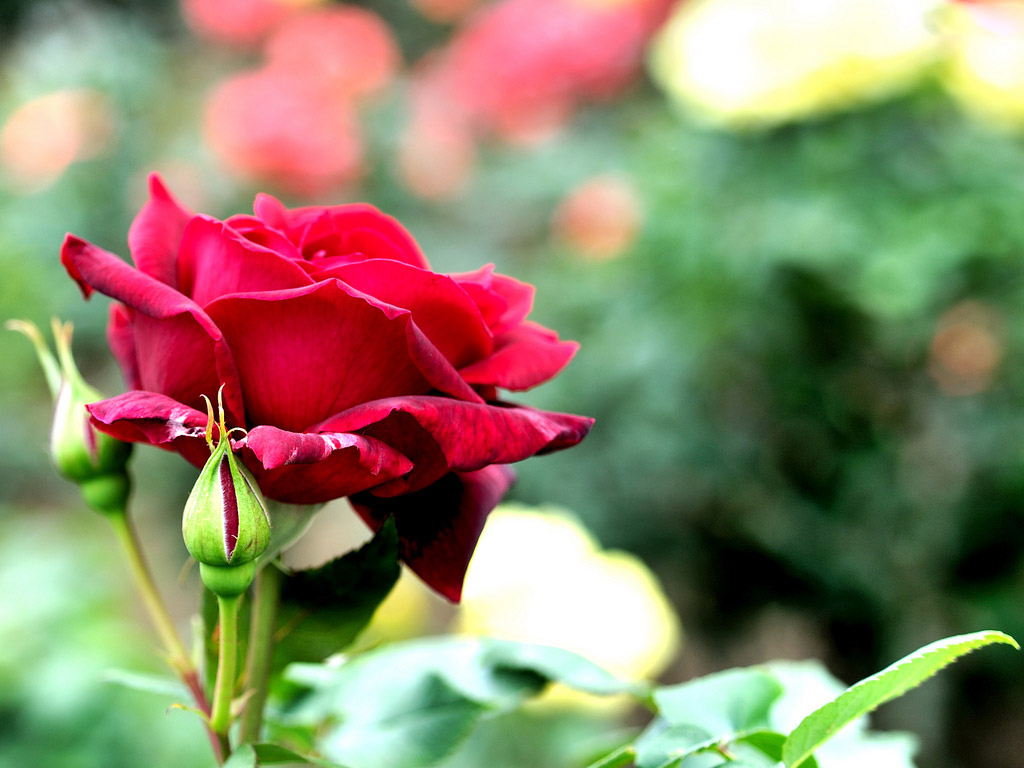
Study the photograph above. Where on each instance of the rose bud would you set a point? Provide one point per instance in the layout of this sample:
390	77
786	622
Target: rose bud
226	525
93	460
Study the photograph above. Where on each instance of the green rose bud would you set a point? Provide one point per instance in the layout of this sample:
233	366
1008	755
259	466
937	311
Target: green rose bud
94	460
226	525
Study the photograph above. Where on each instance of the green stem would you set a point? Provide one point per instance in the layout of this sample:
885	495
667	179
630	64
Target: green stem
261	649
162	622
178	658
227	669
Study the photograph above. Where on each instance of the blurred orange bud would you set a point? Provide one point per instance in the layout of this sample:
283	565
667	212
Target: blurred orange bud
238	22
351	47
436	159
966	349
47	134
599	218
293	132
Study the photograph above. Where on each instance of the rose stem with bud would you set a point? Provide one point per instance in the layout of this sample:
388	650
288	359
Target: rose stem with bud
111	501
261	649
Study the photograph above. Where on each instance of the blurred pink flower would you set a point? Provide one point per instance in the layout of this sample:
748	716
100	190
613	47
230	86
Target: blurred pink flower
294	123
519	68
350	48
237	22
280	127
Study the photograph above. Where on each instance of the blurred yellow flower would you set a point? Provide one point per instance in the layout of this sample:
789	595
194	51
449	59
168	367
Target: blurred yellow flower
985	69
538	576
749	63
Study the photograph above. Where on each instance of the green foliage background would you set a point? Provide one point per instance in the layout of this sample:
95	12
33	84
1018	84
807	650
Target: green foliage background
769	437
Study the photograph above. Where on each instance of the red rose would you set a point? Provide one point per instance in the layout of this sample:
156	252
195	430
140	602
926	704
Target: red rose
356	370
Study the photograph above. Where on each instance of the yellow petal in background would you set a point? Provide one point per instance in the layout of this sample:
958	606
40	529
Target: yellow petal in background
538	576
985	70
749	63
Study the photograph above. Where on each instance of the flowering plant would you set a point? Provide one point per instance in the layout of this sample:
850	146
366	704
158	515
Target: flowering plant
342	365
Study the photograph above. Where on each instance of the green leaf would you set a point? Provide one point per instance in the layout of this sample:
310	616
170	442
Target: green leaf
410	704
734	701
863	697
701	714
255	755
620	758
324	609
163	686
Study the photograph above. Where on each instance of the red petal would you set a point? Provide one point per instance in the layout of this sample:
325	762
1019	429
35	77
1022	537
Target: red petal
216	261
307	353
149	417
468	436
358	231
255	230
179	350
121	338
441	309
524	357
439	526
156	232
308	469
503	301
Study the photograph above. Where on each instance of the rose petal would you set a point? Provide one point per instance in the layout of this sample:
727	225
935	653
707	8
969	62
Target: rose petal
149	417
121	338
215	261
355	231
439	526
179	350
524	357
256	230
504	301
156	232
308	469
307	353
469	436
440	308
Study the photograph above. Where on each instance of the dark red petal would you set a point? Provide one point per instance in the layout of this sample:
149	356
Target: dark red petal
360	230
121	338
439	526
503	301
524	357
156	232
311	468
149	417
440	308
216	261
469	436
307	353
180	351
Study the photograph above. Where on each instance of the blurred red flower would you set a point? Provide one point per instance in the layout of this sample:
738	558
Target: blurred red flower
293	123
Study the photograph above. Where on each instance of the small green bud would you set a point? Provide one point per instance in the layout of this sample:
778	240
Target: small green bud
226	525
93	460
